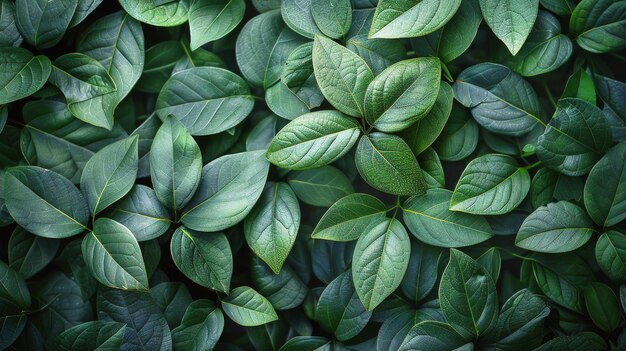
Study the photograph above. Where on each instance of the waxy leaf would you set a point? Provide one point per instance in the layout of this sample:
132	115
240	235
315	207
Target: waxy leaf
141	212
247	307
432	335
599	25
43	23
29	254
611	254
602	304
321	186
210	20
9	34
161	13
200	328
332	17
21	73
94	335
510	20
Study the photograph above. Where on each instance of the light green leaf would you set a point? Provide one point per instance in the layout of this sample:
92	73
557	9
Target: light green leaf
320	187
599	25
333	17
43	23
402	94
21	73
272	225
248	308
229	188
510	20
162	13
386	163
204	258
408	18
201	327
342	76
381	257
611	254
491	184
175	164
113	257
207	100
210	20
429	219
110	174
44	202
141	212
468	297
313	140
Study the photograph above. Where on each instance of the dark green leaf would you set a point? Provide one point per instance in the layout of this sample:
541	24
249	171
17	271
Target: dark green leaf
599	25
21	73
320	187
141	212
432	335
95	335
602	305
42	23
28	253
611	254
201	327
247	307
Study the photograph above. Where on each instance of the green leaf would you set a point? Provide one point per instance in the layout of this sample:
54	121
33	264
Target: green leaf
29	254
459	136
71	261
580	85
172	299
248	308
577	342
263	46
421	275
333	17
94	335
402	94
501	101
554	228
9	34
349	217
113	256
386	163
381	257
175	164
313	140
284	290
43	23
44	202
575	139
342	76
210	20
377	53
599	25
160	60
560	7
162	13
201	327
407	18
88	87
432	169
229	188
432	335
491	184
429	219
13	288
425	131
13	324
612	92
298	16
21	73
545	50
320	187
467	295
117	42
110	174
339	310
204	258
83	9
306	343
602	305
141	212
611	254
605	188
207	100
510	20
548	185
272	225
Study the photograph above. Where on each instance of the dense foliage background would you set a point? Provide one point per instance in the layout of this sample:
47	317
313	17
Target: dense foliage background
312	174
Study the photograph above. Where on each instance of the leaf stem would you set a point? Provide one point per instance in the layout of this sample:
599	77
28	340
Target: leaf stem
533	165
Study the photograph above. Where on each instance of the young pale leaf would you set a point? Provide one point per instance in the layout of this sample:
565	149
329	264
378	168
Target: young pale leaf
160	13
248	308
386	163
43	23
207	100
229	188
94	335
429	219
210	20
333	17
554	228
117	42
501	101
599	25
349	217
89	90
263	46
175	164
204	258
611	254
575	139
44	202
381	257
110	174
21	73
201	327
432	335
342	76
510	20
423	133
407	18
29	254
320	187
339	309
113	256
605	188
491	184
141	212
402	94
313	140
272	225
467	295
